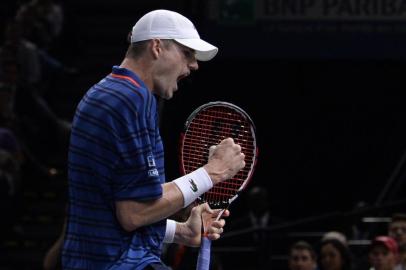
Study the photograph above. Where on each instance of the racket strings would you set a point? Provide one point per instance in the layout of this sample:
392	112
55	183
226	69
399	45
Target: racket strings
208	128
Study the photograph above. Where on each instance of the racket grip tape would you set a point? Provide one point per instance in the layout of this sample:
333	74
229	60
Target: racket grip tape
203	260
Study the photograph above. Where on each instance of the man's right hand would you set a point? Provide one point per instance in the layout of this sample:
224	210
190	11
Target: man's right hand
225	161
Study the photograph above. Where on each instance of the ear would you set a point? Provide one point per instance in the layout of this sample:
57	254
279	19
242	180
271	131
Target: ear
156	47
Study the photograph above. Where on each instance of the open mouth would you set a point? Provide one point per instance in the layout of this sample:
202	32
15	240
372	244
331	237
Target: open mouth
182	76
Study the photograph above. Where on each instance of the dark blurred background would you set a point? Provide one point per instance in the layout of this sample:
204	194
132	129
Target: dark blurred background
323	81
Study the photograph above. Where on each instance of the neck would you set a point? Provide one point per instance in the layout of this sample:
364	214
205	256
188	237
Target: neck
141	68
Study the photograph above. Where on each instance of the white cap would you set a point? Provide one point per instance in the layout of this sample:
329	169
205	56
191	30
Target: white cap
335	235
167	24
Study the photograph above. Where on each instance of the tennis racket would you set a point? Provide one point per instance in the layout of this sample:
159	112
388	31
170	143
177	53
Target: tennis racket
208	125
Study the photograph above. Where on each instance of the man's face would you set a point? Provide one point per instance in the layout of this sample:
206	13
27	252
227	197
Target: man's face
402	258
330	257
175	63
301	259
381	258
397	230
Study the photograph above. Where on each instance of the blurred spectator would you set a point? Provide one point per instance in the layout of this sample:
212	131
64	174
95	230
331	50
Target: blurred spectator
33	64
397	228
8	84
9	143
258	215
22	109
25	54
21	64
42	21
334	252
359	229
7	100
302	256
259	212
10	177
335	235
383	253
402	257
9	180
250	225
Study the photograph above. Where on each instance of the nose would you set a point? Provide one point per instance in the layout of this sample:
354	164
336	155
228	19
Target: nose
193	65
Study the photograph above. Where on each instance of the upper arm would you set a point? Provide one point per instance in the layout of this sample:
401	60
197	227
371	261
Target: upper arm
138	173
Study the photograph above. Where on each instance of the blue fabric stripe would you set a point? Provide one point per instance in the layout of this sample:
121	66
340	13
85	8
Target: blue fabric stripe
120	96
102	125
98	225
81	152
99	257
103	106
84	135
125	84
90	238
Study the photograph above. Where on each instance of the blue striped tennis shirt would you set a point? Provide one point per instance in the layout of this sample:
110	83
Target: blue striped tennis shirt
115	153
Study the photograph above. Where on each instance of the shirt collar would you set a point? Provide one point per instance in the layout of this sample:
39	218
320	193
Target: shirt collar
126	74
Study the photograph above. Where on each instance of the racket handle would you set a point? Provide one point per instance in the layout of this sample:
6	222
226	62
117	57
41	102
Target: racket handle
203	260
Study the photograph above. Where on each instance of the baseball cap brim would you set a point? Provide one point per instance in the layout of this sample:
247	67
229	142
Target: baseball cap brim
204	50
387	242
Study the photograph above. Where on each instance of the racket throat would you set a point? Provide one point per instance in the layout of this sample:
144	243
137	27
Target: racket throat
214	205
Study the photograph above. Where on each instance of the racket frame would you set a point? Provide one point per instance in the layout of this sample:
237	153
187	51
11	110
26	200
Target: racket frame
224	204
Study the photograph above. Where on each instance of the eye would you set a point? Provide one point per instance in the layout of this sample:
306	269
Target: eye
189	54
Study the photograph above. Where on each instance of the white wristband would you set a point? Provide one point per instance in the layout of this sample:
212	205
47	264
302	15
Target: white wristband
193	185
170	231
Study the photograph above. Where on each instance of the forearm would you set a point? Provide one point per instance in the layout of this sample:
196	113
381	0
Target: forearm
176	194
134	214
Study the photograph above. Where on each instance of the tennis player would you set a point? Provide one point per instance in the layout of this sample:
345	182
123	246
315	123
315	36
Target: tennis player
118	198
